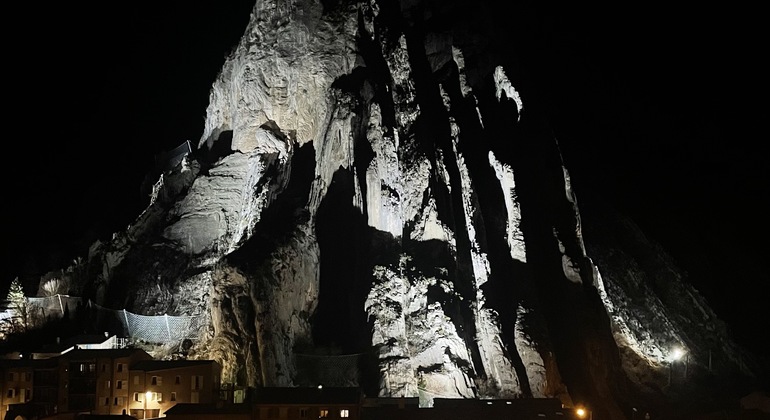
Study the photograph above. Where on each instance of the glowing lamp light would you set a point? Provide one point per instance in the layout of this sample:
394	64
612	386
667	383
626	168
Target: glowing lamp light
581	413
677	354
148	394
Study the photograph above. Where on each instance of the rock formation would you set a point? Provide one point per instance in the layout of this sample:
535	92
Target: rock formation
377	178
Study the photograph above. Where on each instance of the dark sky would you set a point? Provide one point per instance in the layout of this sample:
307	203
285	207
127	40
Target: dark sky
657	108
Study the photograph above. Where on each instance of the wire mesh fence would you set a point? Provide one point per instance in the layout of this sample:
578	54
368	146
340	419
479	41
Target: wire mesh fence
149	328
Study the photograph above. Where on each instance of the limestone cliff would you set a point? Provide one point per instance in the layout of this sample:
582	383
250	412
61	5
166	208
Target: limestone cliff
373	181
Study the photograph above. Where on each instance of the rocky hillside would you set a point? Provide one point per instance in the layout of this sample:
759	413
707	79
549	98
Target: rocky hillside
379	179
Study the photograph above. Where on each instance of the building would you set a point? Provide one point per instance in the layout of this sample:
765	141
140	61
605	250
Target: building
16	383
273	403
284	403
157	385
85	341
96	381
104	381
219	411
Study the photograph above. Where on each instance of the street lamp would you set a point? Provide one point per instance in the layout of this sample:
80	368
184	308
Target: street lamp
583	413
147	396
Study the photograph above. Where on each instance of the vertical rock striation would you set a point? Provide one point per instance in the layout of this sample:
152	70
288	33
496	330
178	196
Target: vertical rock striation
373	180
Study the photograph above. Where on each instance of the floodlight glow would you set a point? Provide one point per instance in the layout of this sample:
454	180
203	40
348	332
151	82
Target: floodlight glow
148	394
677	354
581	412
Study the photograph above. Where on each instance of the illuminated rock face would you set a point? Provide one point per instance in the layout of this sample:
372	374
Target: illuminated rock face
373	185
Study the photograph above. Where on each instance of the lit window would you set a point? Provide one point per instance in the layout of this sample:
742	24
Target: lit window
323	414
106	384
344	413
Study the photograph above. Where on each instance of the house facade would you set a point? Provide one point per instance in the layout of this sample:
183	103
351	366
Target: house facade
16	384
96	380
157	385
303	403
105	382
284	403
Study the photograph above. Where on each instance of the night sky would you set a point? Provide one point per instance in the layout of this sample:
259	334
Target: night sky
656	109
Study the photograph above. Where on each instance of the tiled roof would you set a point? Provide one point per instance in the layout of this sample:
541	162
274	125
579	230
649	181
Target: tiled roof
104	417
193	408
154	365
71	342
307	395
30	363
86	354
